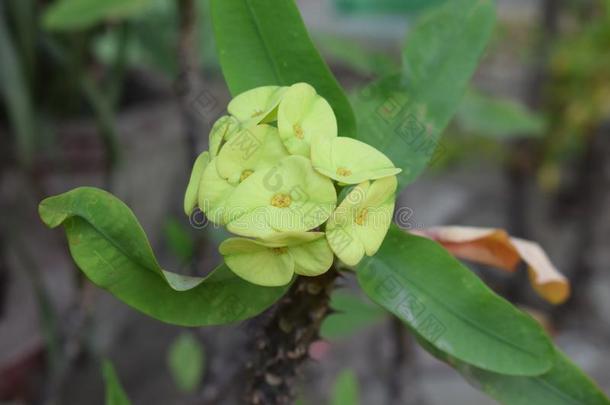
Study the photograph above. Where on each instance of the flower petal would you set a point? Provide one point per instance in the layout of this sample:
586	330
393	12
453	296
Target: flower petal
192	190
213	193
292	238
250	150
308	196
257	105
313	258
350	161
345	244
303	114
373	230
222	130
269	267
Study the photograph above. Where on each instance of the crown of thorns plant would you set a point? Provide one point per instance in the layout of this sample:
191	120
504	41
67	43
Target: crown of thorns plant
278	175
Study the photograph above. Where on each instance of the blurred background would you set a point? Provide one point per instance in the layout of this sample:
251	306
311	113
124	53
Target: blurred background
126	103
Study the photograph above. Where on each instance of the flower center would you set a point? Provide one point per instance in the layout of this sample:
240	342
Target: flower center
361	217
281	200
343	172
279	250
245	174
298	131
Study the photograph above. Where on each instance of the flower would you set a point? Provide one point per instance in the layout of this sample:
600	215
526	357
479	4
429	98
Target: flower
192	189
257	105
288	197
303	114
360	223
350	161
274	261
248	151
213	193
222	130
271	177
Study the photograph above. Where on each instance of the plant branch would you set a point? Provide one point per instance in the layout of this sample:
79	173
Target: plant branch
188	72
282	346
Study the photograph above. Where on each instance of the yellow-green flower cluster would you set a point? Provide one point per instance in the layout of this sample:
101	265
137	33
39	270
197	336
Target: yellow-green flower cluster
272	173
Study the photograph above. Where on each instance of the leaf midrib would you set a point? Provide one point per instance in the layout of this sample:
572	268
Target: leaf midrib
266	47
466	320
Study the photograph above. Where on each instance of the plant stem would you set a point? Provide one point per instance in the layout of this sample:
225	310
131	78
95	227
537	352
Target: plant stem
282	346
188	75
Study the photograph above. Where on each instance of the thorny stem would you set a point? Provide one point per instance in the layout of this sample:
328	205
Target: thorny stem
281	347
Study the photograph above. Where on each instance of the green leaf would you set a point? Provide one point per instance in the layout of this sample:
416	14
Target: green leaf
353	55
264	42
345	389
186	362
444	302
110	247
563	384
82	14
115	395
403	115
352	314
385	6
14	90
497	118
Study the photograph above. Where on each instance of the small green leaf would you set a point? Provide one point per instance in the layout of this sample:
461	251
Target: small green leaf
440	299
82	14
265	42
115	395
352	313
403	115
563	384
345	389
496	117
186	361
110	247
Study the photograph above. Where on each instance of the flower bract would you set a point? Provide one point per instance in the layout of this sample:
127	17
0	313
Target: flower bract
274	262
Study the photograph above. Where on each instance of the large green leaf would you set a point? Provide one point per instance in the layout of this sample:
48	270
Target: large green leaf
563	384
115	395
264	42
444	302
403	115
110	247
497	118
81	14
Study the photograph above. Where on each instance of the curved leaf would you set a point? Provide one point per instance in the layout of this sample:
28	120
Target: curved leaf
435	295
110	247
264	42
403	115
563	384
